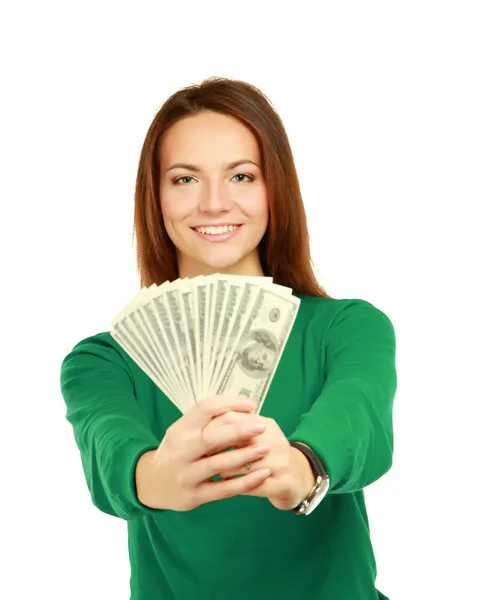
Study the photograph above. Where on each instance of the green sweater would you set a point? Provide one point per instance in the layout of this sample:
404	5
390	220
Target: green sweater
333	389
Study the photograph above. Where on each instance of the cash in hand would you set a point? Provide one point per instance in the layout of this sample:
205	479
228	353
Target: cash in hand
213	334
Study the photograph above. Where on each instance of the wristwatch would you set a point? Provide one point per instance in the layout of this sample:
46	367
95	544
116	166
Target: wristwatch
321	485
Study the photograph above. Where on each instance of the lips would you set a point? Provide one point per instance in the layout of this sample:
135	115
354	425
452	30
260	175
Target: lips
218	237
216	225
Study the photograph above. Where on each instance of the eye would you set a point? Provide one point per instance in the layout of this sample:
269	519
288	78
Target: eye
176	181
251	178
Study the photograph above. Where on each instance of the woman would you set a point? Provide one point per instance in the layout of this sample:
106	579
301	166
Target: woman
282	513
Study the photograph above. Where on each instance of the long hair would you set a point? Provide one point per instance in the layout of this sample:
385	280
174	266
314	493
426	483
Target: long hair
284	250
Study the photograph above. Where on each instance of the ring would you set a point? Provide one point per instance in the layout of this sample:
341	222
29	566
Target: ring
248	467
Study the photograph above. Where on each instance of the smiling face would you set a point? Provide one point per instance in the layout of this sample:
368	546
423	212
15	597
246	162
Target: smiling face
214	206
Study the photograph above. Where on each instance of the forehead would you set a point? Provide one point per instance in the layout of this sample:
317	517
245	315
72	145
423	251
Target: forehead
208	138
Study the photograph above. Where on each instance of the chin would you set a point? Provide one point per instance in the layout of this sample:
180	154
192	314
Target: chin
219	262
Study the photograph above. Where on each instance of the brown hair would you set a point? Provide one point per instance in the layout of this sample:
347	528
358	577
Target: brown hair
284	250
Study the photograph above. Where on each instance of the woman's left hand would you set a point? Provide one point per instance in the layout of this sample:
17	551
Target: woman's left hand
291	477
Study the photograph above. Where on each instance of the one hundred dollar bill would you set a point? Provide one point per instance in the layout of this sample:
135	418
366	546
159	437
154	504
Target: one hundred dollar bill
253	361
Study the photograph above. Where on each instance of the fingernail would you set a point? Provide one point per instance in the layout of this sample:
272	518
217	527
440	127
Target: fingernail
258	428
261	449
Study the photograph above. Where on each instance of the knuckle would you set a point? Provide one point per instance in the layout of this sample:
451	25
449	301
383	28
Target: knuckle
186	493
188	502
233	489
180	479
222	419
191	500
228	416
207	438
206	405
177	440
215	463
247	483
241	430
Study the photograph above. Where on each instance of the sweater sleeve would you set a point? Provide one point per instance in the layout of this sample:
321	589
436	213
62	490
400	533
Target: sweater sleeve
110	429
349	425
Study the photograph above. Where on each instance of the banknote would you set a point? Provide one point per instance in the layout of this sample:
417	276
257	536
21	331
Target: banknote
217	315
188	319
232	300
246	298
161	310
255	354
181	351
201	303
135	340
207	335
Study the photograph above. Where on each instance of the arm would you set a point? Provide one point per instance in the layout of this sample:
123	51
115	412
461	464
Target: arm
349	425
110	429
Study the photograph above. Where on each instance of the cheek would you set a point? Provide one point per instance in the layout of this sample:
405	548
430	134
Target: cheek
172	210
264	214
258	208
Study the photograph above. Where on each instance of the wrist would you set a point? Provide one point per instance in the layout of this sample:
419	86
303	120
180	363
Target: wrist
143	477
307	476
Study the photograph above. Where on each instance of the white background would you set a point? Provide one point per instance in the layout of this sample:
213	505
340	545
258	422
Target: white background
381	102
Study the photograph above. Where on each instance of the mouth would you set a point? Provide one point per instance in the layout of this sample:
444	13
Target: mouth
217	233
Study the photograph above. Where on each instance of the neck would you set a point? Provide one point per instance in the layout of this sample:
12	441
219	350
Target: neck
250	267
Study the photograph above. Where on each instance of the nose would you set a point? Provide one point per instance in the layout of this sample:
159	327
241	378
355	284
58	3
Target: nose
215	199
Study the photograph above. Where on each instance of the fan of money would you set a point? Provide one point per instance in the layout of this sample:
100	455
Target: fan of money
213	334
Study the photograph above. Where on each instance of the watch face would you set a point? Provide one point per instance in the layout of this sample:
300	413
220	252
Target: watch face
318	497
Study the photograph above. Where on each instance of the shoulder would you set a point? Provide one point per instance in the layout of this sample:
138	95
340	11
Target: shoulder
323	314
98	348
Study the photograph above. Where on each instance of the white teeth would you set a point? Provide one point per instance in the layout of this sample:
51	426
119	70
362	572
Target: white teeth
216	230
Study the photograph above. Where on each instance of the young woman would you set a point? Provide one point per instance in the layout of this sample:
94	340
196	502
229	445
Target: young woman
217	192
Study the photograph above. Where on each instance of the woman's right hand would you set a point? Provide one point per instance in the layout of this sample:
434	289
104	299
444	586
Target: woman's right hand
177	476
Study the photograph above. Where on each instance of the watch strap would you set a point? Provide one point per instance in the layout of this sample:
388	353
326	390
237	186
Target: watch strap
313	459
321	484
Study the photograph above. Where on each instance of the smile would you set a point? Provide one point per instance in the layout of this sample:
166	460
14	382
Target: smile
219	233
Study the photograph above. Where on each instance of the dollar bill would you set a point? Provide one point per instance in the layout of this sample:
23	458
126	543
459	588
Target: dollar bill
232	329
150	315
181	349
133	338
164	318
234	295
129	331
253	361
202	299
188	319
208	335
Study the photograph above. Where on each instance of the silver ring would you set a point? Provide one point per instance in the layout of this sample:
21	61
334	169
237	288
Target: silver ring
248	467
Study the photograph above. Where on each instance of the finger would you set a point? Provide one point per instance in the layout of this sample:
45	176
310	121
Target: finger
208	408
248	426
217	439
231	416
232	460
257	462
243	470
218	490
263	490
213	440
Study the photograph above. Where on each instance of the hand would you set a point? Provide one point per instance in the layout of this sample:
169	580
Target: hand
292	477
177	476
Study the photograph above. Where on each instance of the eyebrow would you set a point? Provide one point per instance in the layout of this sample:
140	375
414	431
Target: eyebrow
196	169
